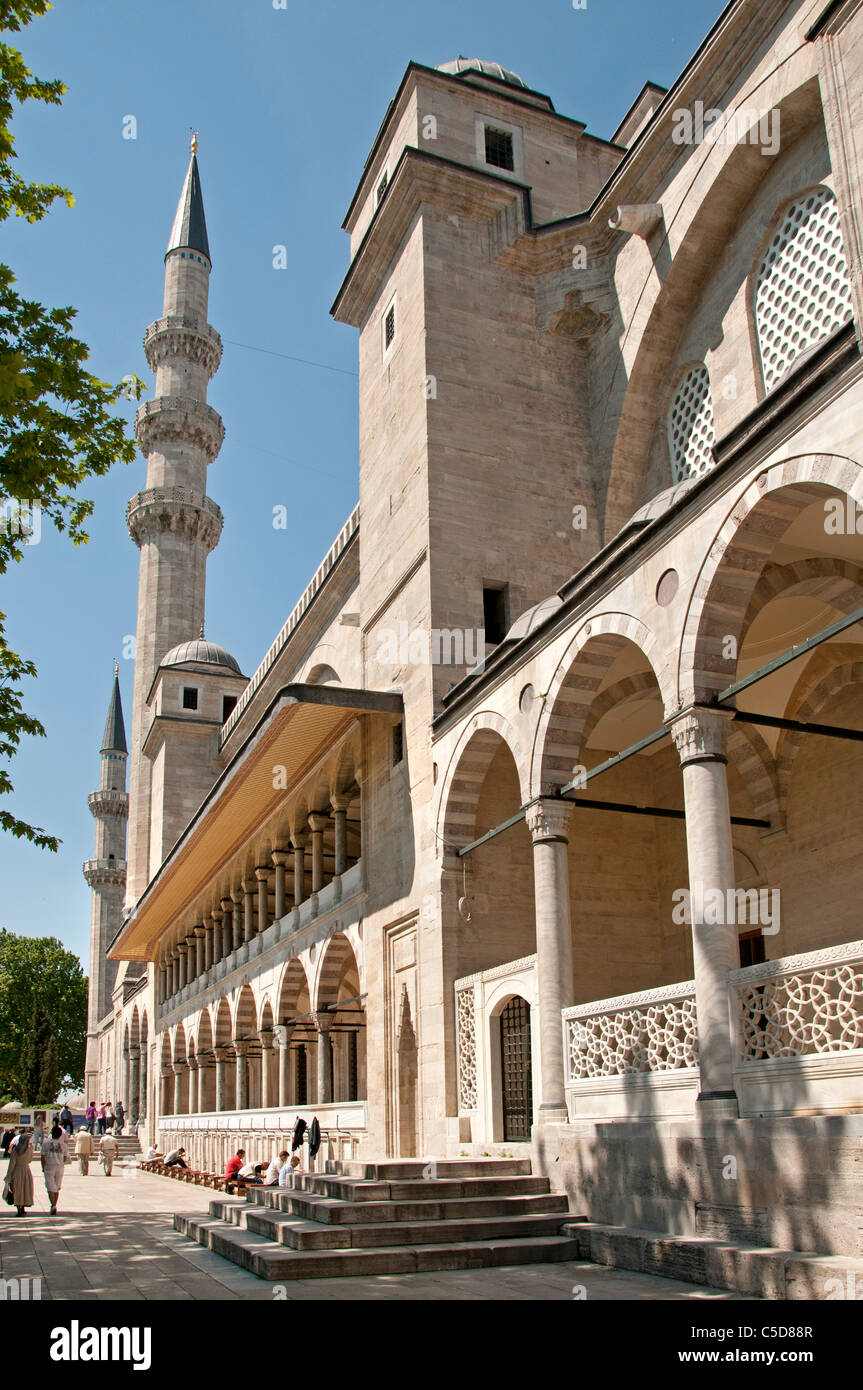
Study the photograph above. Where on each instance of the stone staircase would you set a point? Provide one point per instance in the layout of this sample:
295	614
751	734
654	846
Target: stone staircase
399	1217
129	1145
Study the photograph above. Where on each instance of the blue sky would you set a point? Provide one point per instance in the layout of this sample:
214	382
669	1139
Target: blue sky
287	102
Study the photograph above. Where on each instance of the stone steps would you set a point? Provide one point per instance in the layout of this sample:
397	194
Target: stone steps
388	1218
761	1271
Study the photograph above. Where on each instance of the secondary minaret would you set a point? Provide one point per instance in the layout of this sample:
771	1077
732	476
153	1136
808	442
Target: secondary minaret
173	521
106	871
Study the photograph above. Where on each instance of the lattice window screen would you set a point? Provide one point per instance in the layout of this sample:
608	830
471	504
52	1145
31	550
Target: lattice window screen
690	426
803	292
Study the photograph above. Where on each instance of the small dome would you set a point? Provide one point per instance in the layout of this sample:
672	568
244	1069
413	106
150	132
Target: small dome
460	65
201	651
661	503
531	619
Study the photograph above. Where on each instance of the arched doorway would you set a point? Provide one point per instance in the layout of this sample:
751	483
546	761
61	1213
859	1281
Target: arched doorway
515	1073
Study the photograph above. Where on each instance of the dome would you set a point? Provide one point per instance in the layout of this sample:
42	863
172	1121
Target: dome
533	617
460	65
661	503
201	651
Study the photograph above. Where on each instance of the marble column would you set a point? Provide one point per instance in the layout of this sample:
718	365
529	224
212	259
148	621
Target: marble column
131	1099
263	877
266	1038
175	971
167	1080
208	946
178	1069
317	825
547	821
227	933
285	1067
191	957
241	1053
248	909
324	1022
163	983
298	844
199	950
237	923
183	950
223	1057
700	736
143	1084
280	858
192	1091
204	1068
339	807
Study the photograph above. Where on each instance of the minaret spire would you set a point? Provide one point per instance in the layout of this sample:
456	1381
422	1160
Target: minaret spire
173	521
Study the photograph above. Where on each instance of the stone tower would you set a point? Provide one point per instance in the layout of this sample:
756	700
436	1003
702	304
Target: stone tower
173	521
106	871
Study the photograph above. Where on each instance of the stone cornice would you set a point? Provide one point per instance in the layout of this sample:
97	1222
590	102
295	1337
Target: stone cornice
101	873
661	995
179	418
179	510
108	803
182	335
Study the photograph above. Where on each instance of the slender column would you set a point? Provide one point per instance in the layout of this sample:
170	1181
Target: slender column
192	1064
248	909
280	859
199	950
142	1085
324	1024
174	967
227	933
266	1038
204	1066
223	1057
547	821
285	1067
183	949
133	1088
208	945
339	807
240	1052
216	915
163	983
318	824
700	736
298	843
191	958
237	925
167	1080
262	875
178	1069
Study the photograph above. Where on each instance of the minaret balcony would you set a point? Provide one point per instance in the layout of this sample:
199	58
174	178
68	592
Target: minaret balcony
108	803
101	873
177	509
184	336
182	418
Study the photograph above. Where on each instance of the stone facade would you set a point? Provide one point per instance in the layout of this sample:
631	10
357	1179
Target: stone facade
610	421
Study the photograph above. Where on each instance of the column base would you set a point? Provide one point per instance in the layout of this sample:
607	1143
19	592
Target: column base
717	1105
552	1115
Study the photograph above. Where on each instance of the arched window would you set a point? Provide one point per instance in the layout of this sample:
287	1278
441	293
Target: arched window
802	293
690	426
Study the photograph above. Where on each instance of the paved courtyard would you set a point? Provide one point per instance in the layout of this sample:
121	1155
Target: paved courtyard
113	1239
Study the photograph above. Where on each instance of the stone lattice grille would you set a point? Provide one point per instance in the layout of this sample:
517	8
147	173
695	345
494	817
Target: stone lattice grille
799	1015
690	426
653	1037
466	1035
803	291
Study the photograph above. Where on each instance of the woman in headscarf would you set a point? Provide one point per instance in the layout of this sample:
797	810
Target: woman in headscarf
53	1162
19	1179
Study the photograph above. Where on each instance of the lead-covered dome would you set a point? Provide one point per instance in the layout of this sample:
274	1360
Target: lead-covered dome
460	65
202	652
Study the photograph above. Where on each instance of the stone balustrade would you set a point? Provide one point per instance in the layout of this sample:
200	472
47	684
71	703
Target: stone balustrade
801	1006
654	1030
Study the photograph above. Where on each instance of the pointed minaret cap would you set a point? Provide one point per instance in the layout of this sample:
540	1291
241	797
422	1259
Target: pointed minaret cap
114	737
189	231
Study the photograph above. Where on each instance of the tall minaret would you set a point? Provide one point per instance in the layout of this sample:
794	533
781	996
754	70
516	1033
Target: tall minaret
106	871
173	522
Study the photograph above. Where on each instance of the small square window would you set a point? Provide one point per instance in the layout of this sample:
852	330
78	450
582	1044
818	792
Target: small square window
382	188
390	326
498	148
398	744
190	697
228	702
495	613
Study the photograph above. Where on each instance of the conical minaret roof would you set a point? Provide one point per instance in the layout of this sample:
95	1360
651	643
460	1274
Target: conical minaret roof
114	737
190	225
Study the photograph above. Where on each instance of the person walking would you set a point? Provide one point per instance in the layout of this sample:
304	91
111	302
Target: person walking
19	1179
8	1136
65	1119
90	1117
119	1118
84	1146
108	1148
109	1117
53	1158
101	1118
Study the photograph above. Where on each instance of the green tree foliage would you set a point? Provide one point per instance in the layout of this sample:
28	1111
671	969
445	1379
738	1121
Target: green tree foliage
38	973
49	1079
56	430
33	1057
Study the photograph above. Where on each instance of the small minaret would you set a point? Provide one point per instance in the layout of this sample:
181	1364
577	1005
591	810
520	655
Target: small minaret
173	522
106	871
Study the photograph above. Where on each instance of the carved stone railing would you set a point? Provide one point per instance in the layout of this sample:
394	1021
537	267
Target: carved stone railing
465	1024
801	1006
653	1031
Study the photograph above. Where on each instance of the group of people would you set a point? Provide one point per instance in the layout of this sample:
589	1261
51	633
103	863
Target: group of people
106	1117
55	1154
277	1173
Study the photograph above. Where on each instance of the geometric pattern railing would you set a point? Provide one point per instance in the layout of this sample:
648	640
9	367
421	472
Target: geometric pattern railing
465	1016
652	1031
801	1006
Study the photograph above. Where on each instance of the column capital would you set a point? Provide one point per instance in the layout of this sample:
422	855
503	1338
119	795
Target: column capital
241	1047
324	1020
178	1068
280	857
299	839
190	939
200	931
182	947
192	1063
223	1054
266	1037
134	1051
548	819
700	734
248	885
318	822
216	915
262	873
227	905
340	801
